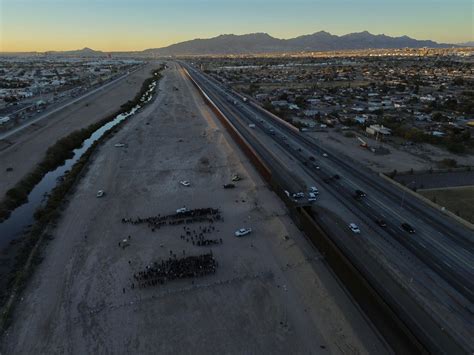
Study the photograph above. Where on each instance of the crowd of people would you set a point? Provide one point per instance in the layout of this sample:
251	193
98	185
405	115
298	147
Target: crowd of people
175	268
197	237
210	215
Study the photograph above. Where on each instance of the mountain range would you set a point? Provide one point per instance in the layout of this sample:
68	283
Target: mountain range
264	43
260	43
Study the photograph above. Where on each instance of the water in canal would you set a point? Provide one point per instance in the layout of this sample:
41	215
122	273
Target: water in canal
23	216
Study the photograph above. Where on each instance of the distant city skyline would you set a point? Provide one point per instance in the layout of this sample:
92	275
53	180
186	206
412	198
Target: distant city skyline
119	25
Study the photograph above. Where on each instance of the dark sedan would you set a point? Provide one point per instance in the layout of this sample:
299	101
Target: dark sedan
408	228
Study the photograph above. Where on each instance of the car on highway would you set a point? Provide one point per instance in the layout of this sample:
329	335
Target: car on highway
317	167
100	193
242	232
359	194
354	228
408	228
185	183
298	195
229	186
325	155
313	189
312	196
181	210
251	125
381	223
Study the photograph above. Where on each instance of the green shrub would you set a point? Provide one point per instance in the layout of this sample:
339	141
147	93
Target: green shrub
51	211
61	151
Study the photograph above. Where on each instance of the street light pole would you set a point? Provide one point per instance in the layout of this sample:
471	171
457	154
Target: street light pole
404	192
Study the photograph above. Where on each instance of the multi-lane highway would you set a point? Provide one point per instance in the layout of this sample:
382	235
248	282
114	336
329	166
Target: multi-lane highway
60	107
441	250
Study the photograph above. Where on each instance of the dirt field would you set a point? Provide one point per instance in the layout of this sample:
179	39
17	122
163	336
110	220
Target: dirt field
267	87
270	294
24	150
459	200
437	180
421	157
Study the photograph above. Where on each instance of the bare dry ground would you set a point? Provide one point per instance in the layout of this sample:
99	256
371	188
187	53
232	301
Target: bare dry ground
25	149
419	157
459	200
270	294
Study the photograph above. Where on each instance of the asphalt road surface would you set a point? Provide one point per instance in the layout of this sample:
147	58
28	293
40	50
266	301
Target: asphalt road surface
42	116
438	180
435	263
272	292
24	149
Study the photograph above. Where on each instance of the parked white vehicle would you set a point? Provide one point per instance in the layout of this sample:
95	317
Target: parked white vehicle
313	189
119	145
325	155
311	197
181	210
354	228
100	193
243	231
298	195
185	183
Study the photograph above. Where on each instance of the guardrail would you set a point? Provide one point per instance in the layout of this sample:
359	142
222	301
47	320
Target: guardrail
385	309
460	220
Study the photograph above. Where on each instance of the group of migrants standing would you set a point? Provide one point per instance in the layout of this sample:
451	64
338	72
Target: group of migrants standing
176	267
210	215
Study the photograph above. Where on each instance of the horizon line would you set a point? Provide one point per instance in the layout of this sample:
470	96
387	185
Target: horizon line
231	34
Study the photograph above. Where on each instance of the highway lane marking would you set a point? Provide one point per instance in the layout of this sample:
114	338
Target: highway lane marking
379	203
454	254
382	205
251	132
59	108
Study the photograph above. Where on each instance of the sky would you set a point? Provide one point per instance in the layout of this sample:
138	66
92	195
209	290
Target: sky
119	25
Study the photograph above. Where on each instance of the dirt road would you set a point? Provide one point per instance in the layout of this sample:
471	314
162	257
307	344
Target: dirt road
272	292
25	149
